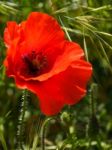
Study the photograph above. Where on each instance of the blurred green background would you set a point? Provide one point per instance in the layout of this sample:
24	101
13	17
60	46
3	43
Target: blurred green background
87	125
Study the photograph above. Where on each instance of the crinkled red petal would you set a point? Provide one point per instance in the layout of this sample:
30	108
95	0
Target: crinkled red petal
67	87
42	29
71	52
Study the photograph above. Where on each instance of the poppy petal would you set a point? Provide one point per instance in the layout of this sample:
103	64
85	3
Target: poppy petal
44	29
72	52
59	90
10	32
9	60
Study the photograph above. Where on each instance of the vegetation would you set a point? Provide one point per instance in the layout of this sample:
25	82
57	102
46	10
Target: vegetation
84	126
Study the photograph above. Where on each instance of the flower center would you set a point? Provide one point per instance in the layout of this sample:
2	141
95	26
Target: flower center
35	63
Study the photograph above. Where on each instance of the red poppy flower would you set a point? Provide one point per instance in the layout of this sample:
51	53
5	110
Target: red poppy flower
40	59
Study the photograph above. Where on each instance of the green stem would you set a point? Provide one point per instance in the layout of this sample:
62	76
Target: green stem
2	140
92	106
43	129
20	131
38	130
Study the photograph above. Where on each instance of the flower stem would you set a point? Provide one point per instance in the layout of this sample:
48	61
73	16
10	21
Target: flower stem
20	131
93	96
92	109
2	140
43	129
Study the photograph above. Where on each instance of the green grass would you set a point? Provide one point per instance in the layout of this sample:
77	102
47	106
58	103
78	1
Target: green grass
85	126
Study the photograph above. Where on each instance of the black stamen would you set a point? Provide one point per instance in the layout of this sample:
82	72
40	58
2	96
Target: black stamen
32	68
34	62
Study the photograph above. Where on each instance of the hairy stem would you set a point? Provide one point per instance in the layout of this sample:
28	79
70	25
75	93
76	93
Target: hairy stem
20	131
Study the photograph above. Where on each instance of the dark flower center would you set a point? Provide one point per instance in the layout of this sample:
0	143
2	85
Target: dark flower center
35	63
